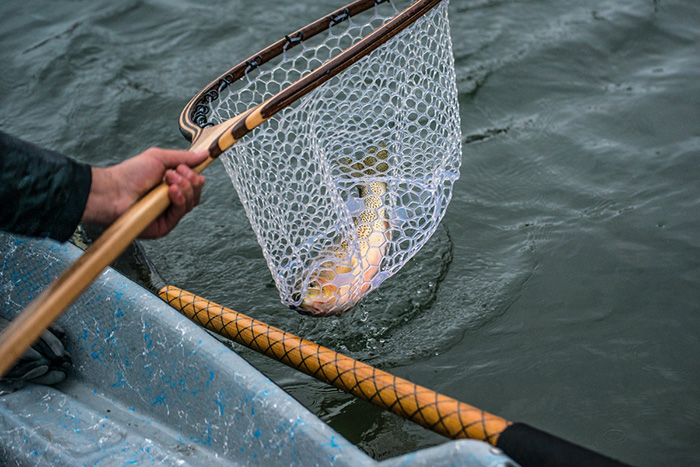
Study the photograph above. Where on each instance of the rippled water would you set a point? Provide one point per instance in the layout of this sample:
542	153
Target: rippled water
562	288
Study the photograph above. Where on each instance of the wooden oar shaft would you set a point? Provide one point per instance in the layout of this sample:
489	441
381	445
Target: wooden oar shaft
25	329
444	415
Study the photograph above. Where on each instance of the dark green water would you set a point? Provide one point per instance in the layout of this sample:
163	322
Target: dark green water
563	287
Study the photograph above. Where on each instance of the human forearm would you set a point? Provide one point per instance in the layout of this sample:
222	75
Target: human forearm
42	192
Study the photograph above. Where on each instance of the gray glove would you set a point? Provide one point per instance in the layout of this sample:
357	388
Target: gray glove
46	362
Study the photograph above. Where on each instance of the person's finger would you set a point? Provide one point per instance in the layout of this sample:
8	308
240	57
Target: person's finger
171	158
184	190
177	209
195	179
182	194
174	179
189	183
187	187
171	217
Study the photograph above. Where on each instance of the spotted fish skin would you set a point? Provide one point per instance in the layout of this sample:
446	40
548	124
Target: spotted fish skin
345	278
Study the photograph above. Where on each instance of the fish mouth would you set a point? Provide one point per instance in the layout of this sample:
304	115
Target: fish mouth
317	310
325	298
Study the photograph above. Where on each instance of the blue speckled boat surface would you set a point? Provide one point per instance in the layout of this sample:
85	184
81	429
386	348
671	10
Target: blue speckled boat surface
150	387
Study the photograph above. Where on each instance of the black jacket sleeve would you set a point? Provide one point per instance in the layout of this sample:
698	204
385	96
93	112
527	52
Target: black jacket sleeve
42	193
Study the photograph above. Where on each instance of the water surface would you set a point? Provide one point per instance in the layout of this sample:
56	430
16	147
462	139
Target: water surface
562	287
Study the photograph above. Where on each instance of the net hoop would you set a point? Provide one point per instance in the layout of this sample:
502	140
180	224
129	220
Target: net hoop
352	171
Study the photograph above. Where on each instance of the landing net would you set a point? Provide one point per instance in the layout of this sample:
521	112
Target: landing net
345	186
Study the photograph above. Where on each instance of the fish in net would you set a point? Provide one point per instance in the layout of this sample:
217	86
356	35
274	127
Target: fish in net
344	186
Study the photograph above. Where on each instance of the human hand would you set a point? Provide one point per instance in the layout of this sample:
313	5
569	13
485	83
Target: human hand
114	189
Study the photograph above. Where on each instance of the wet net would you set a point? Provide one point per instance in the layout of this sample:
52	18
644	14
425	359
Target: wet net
346	185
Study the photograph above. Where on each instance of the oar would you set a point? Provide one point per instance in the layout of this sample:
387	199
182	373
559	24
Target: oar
441	414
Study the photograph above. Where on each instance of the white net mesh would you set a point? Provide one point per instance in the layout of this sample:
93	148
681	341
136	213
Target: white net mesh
345	186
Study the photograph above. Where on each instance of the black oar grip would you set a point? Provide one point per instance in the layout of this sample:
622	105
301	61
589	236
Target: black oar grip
529	446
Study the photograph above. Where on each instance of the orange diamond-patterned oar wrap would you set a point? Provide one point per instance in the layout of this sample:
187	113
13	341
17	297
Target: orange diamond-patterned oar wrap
528	446
442	414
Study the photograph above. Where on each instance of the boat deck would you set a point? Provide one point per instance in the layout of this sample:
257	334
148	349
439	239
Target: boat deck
150	387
